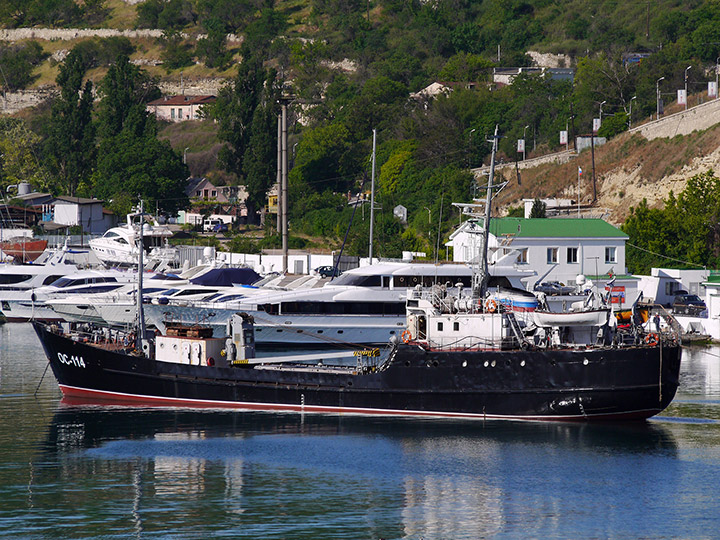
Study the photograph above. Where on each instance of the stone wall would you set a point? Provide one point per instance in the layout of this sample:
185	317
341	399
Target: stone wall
65	34
697	118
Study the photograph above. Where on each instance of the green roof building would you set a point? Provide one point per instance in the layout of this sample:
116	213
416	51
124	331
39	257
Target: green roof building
556	249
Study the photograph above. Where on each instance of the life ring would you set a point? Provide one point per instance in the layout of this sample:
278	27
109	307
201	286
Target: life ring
490	305
406	336
651	339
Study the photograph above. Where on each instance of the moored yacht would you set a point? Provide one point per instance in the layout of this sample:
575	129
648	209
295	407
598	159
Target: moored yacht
84	283
118	246
19	281
365	305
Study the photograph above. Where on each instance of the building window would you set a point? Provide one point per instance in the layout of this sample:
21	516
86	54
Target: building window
552	255
213	193
172	114
179	114
523	256
610	255
456	326
572	255
440	327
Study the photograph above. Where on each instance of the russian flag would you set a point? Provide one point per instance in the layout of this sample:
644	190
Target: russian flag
579	171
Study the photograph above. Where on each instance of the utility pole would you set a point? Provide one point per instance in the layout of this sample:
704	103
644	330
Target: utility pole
372	197
284	100
278	180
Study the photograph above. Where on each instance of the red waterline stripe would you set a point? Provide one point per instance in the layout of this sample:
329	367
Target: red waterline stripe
73	391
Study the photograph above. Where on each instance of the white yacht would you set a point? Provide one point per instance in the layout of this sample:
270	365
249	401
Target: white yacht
365	305
84	283
118	246
118	308
19	281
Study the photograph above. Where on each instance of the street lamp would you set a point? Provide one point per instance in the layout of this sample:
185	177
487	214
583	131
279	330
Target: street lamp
686	85
567	134
185	155
657	94
524	141
717	68
630	115
429	212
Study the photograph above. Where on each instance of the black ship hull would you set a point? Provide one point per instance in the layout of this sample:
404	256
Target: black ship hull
594	384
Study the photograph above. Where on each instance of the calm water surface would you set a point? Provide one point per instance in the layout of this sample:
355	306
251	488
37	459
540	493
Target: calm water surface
79	471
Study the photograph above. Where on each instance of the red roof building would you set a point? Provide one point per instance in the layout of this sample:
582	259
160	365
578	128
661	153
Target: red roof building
179	108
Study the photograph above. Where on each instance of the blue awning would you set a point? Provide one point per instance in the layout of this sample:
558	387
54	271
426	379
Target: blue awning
227	277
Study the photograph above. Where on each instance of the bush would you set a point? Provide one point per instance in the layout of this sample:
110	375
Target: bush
614	125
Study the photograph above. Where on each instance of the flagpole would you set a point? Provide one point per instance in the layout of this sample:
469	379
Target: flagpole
579	173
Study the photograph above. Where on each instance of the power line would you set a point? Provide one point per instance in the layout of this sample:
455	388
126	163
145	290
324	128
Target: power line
666	257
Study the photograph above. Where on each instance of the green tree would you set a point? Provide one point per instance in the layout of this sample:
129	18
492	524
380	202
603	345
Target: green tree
212	49
234	111
259	162
683	233
71	145
325	160
18	150
176	52
140	165
131	159
538	209
17	63
124	91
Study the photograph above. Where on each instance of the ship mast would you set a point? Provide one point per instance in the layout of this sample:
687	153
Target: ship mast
479	263
480	282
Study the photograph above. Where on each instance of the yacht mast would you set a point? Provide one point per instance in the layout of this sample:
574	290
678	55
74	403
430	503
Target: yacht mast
140	315
372	198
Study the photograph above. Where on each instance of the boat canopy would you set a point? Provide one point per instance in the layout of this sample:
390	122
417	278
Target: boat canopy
227	277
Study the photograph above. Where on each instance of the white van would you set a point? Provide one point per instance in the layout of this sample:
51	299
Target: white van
209	224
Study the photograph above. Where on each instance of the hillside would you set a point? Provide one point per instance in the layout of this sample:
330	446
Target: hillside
628	169
353	69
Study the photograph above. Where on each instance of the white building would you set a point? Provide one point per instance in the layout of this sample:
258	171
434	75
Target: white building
88	213
662	284
179	108
556	249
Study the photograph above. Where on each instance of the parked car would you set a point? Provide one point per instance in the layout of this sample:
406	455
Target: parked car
326	271
689	304
553	288
220	227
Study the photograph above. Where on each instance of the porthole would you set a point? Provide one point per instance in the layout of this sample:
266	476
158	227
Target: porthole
464	364
320	331
522	363
486	364
340	331
586	362
493	363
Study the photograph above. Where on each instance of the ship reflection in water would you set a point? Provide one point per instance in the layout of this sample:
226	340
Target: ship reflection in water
250	474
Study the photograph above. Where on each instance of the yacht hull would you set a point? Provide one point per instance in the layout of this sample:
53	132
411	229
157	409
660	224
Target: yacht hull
594	384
